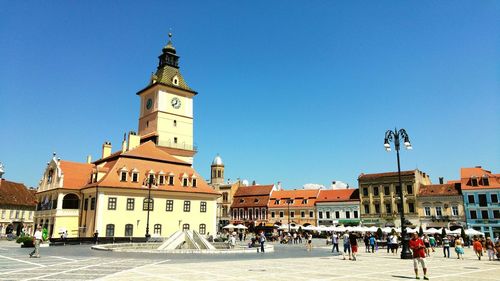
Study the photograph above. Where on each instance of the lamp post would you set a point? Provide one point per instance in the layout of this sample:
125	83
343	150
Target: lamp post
289	201
150	183
394	136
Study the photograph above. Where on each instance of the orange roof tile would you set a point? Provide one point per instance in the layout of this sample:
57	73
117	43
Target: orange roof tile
301	198
147	157
76	175
439	190
467	174
253	190
338	195
16	194
381	175
250	201
148	150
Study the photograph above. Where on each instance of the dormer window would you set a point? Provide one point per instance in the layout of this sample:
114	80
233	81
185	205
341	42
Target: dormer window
135	175
256	200
184	180
194	182
486	182
304	201
123	174
277	202
242	200
171	179
473	181
175	80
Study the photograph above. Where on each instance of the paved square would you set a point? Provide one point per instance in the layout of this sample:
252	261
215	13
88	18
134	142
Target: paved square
288	262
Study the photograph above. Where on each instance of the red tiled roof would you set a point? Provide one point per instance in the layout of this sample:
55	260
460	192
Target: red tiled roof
250	201
298	197
148	150
466	175
148	157
76	175
16	194
254	190
439	190
338	195
389	174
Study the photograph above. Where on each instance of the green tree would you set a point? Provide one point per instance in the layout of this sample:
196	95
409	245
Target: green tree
379	233
443	232
420	231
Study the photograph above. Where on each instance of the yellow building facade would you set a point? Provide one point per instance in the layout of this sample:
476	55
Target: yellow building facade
148	185
379	193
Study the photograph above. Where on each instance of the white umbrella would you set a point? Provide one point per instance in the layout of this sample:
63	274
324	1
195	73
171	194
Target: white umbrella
411	230
432	231
339	228
456	231
229	226
373	229
472	232
387	229
240	226
310	227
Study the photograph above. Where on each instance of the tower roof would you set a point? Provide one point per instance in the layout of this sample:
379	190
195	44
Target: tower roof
168	72
217	161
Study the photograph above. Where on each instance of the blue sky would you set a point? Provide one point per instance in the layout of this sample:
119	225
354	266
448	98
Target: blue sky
291	91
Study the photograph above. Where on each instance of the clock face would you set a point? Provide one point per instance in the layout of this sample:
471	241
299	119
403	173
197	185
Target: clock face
176	103
149	104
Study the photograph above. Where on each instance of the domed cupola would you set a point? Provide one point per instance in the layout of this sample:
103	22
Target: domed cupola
217	171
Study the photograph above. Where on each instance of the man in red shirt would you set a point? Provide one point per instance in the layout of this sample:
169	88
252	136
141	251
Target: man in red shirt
418	248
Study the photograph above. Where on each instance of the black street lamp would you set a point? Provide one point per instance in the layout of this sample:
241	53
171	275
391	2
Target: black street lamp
289	201
394	137
150	183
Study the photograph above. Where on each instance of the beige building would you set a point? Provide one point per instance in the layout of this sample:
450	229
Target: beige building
441	205
147	186
378	195
17	206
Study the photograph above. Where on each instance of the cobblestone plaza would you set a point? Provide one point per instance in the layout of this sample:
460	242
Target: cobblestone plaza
288	262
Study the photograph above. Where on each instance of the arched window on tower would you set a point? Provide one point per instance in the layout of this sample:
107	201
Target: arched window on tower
219	174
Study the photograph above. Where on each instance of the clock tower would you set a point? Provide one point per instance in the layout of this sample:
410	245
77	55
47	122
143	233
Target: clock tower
166	113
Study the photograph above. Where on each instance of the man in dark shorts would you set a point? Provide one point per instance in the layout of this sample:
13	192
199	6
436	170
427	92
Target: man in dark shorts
353	240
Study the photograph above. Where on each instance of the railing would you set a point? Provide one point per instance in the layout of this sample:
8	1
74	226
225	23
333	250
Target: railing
178	145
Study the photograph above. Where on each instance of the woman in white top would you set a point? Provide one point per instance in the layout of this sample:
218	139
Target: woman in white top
394	244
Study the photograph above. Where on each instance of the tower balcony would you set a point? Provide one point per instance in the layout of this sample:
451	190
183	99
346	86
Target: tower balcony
182	146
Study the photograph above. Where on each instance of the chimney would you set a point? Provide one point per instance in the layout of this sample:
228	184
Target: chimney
89	159
106	149
441	179
279	186
133	140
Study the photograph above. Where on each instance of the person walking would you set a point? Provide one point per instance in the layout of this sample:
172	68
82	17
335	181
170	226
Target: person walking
366	239
459	248
37	239
347	245
478	248
490	248
427	245
432	242
309	242
335	242
446	247
388	242
372	241
418	248
353	240
262	240
394	243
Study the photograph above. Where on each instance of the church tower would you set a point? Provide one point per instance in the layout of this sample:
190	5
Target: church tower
166	113
217	171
